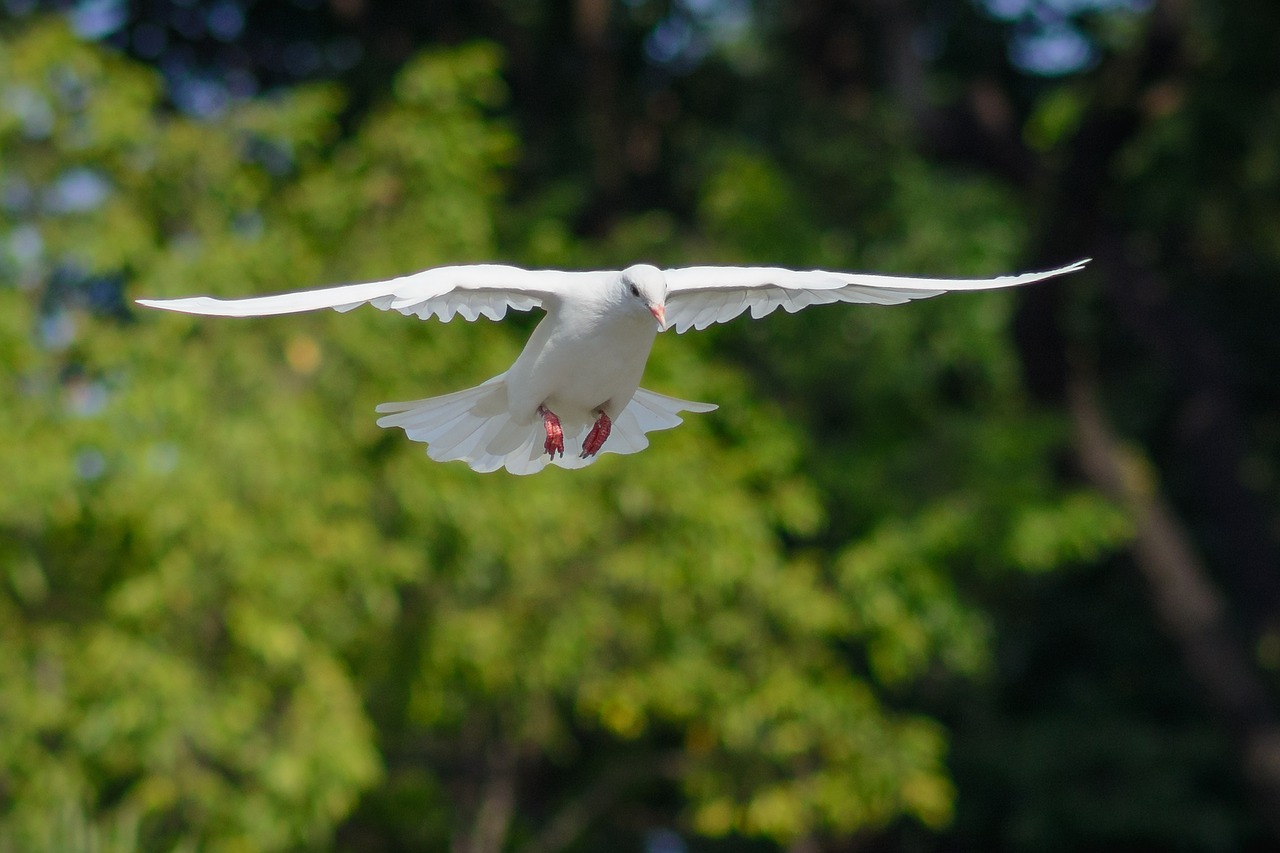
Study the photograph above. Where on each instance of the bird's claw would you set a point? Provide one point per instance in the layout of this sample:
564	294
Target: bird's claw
596	438
555	433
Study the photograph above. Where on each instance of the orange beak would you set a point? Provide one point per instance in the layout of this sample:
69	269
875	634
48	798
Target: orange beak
659	313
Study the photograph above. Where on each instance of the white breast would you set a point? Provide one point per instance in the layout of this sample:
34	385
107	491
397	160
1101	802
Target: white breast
580	361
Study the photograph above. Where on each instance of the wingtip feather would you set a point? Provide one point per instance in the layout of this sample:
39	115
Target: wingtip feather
186	305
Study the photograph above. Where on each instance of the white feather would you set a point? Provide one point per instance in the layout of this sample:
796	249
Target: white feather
463	426
586	357
700	296
472	291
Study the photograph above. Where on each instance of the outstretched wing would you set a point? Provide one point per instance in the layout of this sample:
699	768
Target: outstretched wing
476	290
700	296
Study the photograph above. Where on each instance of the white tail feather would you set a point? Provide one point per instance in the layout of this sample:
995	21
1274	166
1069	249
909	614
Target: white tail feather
475	427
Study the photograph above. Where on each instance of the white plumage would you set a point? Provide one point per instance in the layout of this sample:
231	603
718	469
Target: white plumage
576	383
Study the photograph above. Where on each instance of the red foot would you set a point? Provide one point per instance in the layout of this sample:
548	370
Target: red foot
555	434
596	438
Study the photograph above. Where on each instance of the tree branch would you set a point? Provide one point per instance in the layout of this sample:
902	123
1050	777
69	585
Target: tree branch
497	804
1189	605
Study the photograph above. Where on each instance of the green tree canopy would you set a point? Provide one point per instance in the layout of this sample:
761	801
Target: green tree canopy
236	615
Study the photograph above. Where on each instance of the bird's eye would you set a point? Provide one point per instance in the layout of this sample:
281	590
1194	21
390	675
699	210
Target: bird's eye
635	291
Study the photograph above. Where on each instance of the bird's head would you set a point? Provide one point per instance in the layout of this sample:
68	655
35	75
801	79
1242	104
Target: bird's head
645	287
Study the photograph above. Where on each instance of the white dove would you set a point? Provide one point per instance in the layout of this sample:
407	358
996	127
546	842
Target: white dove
577	381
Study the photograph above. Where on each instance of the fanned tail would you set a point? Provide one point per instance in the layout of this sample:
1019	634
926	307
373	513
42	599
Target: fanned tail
647	412
474	426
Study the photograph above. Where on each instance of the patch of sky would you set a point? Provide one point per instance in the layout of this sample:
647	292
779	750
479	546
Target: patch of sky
664	841
249	225
694	28
1053	50
57	330
76	190
1011	10
104	295
202	97
16	195
275	156
675	42
205	92
225	21
69	87
25	246
1047	39
32	110
90	463
85	398
97	19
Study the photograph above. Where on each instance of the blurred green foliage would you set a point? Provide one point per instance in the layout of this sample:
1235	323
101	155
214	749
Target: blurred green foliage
235	615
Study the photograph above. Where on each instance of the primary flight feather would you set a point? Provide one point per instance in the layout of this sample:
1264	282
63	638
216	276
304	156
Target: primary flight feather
577	381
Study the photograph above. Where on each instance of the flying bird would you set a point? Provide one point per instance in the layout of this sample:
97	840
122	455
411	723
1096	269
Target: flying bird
574	391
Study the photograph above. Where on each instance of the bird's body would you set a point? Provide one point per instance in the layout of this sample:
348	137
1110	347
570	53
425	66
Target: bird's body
576	383
564	368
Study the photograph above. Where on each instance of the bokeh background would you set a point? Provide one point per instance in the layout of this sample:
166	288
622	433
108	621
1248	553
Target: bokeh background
991	572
